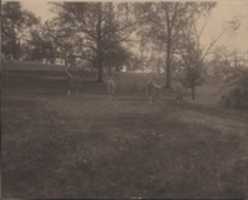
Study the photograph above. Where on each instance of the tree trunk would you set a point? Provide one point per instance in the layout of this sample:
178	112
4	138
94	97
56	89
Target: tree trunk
14	43
69	78
99	72
168	62
99	46
193	92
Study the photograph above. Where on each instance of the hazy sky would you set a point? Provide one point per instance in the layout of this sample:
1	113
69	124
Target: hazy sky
225	10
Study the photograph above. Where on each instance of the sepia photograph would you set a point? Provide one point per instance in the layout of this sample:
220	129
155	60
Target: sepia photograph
124	99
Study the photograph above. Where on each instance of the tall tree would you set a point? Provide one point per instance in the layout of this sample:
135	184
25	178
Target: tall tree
102	27
40	45
63	41
194	54
16	22
164	22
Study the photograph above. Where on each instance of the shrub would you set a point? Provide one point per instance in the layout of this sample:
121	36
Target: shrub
236	91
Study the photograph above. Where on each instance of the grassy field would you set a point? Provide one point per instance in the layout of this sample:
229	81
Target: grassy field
84	145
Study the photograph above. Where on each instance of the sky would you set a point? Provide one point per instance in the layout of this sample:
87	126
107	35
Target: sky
224	11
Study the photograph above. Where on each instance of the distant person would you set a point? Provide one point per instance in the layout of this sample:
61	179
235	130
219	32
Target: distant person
73	82
69	81
111	86
153	88
179	90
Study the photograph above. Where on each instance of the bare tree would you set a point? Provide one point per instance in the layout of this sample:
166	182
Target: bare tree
164	23
194	55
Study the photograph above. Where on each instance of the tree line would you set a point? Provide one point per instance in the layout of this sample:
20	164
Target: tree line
106	36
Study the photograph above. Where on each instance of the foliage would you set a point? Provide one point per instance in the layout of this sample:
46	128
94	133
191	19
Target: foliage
16	24
102	29
193	65
226	63
191	51
236	90
40	46
165	23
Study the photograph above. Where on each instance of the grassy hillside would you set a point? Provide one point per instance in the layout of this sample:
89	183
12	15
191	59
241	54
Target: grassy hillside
85	145
57	146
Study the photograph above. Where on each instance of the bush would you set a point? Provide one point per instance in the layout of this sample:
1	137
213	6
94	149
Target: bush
236	91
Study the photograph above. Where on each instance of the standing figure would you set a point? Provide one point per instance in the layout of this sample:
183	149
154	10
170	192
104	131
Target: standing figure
153	89
69	81
179	89
111	87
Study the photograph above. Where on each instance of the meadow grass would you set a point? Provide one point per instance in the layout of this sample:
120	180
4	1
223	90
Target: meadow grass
87	146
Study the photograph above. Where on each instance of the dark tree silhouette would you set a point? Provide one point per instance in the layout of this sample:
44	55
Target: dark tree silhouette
16	22
103	27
